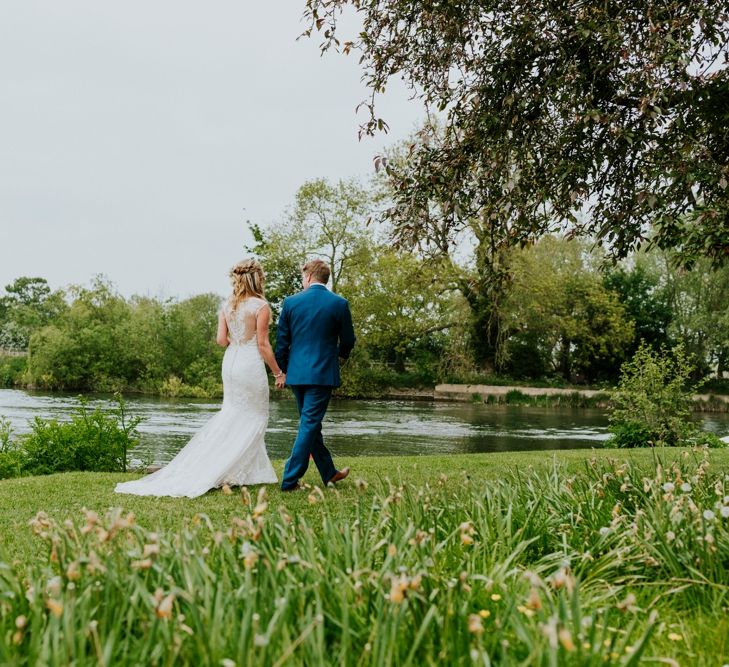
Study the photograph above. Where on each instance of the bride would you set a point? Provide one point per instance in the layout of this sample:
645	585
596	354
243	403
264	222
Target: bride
229	448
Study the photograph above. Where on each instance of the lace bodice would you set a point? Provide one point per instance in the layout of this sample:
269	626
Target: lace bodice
242	320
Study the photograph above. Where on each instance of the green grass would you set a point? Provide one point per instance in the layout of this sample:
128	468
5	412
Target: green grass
64	495
562	558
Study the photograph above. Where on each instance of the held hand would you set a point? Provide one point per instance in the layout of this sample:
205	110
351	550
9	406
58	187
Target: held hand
281	381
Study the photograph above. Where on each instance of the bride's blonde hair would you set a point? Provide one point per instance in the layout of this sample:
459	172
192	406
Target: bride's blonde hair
248	280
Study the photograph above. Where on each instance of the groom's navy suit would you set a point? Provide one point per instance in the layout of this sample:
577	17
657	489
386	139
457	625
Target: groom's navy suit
314	330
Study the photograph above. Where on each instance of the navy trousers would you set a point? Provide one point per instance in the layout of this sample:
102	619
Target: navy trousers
312	401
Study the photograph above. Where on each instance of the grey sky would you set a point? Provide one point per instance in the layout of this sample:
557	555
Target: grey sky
137	137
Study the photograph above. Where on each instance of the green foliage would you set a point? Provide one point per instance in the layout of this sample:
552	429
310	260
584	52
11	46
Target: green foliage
98	440
652	404
599	118
607	564
104	342
28	304
645	302
699	302
12	370
560	315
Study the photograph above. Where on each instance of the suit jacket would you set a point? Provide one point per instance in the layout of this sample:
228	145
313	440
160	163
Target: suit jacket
314	329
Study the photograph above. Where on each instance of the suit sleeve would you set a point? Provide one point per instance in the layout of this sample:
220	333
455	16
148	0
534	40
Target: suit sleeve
346	333
283	339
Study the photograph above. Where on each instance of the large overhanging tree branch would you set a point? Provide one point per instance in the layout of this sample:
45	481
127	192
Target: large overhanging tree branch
607	118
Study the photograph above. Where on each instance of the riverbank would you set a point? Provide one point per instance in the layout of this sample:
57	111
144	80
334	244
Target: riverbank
536	396
499	552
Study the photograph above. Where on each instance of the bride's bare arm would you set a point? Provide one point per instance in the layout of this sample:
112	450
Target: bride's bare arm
222	337
264	345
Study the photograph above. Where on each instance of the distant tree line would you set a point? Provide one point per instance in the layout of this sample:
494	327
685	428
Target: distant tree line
552	311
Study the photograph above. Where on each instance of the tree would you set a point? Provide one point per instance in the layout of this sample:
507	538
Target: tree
399	303
28	305
699	302
642	293
602	118
559	315
326	221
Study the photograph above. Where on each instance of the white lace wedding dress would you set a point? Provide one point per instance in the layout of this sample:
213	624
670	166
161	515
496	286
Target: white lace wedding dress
229	448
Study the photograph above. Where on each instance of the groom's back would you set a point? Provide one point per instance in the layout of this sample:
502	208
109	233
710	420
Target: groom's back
315	328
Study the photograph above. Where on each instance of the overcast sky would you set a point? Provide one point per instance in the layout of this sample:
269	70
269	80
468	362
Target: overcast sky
137	137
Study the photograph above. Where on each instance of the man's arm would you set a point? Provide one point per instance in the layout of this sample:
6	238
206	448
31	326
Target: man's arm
283	339
346	333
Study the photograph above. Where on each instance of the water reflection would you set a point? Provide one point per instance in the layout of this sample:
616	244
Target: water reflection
356	428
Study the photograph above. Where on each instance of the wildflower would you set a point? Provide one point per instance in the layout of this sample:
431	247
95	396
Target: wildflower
144	564
164	609
398	588
21	622
94	565
669	487
670	536
262	504
151	550
54	586
525	610
54	606
534	601
249	555
675	637
604	531
227	491
361	485
392	550
467	532
563	579
565	638
484	613
72	571
709	515
40	524
475	626
724	511
628	604
495	597
686	487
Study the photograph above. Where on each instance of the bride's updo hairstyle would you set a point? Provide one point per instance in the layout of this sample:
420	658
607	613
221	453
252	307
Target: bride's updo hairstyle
248	279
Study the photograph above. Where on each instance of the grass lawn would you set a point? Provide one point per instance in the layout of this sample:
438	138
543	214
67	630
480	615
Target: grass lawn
580	557
64	495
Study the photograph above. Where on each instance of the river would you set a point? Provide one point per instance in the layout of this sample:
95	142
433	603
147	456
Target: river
353	427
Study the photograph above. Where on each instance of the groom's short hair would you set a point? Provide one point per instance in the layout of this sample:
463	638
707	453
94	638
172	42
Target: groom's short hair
318	270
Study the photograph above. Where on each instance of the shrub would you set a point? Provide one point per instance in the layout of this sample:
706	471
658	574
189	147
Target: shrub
629	434
97	440
652	404
12	370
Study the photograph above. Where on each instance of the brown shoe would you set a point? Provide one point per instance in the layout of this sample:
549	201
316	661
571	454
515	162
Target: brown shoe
339	476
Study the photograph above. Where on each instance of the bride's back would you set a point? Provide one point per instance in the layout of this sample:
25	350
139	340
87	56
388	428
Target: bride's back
241	319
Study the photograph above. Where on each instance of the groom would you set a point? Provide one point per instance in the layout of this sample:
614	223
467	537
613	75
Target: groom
314	333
